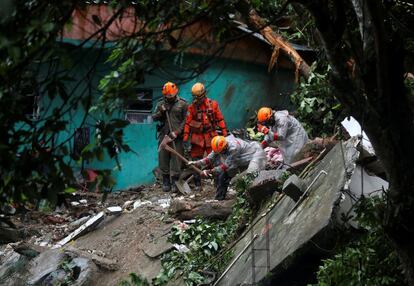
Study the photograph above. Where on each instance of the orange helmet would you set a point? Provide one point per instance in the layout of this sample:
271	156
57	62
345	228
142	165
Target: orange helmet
170	89
264	114
198	90
218	144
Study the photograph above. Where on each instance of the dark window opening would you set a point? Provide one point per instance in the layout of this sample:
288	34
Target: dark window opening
81	140
138	109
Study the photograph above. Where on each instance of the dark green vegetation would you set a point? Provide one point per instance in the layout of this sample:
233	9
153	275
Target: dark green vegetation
368	259
317	108
367	44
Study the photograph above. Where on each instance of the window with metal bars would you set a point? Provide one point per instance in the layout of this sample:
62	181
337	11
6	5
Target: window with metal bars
138	109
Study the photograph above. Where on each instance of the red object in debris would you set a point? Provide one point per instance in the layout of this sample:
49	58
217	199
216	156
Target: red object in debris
91	175
50	219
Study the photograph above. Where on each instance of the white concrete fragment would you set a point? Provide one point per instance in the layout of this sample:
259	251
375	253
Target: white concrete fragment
114	210
354	129
181	248
74	203
127	204
81	230
140	203
190	221
164	203
83	201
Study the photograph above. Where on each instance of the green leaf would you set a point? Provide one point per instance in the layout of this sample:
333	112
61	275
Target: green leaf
69	190
48	27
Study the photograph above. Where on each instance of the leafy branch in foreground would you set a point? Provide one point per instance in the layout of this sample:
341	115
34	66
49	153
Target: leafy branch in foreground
367	260
317	108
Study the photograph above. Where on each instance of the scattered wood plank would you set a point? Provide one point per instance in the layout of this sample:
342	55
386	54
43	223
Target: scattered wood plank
89	225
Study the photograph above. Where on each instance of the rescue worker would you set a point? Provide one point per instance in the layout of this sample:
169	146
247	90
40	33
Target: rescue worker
279	125
174	109
229	156
204	120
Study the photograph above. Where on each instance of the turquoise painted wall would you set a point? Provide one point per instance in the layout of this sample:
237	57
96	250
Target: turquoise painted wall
240	88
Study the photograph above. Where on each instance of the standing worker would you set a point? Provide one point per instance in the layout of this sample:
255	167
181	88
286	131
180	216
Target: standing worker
171	113
204	120
279	125
232	155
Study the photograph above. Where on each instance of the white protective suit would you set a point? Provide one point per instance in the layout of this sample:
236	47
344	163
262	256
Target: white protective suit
239	154
289	132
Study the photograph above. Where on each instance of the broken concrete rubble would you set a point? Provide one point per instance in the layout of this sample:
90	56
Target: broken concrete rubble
156	247
101	262
43	265
122	250
290	232
294	187
361	184
264	185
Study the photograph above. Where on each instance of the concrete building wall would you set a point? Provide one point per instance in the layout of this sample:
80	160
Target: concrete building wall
239	87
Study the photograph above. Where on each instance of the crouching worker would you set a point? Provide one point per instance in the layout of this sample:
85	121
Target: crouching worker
229	156
279	125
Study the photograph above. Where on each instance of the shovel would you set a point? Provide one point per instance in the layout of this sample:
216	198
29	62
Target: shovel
182	185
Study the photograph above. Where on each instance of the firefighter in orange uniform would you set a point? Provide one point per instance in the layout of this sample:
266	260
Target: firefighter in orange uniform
204	121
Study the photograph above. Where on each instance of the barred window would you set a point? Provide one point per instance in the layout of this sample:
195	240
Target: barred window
139	108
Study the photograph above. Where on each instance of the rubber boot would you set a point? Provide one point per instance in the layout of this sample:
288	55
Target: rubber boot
174	188
166	185
197	183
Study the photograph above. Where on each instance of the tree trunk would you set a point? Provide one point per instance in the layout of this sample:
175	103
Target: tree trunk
187	209
375	95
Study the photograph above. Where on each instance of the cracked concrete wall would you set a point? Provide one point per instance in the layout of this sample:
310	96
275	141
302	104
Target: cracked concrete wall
290	235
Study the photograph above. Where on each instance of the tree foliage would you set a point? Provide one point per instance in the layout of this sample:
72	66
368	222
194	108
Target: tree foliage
369	259
316	106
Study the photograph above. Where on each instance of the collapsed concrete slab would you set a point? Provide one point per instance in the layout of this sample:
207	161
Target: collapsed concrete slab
264	185
361	184
292	230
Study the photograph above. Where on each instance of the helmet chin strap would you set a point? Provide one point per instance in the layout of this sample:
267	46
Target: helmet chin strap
170	99
199	100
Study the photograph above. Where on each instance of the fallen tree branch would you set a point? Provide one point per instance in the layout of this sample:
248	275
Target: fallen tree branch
279	44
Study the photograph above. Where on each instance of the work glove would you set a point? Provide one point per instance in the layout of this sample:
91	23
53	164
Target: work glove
173	135
263	129
163	108
206	174
193	163
264	144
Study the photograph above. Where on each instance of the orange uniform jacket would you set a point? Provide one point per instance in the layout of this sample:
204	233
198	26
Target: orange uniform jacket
202	123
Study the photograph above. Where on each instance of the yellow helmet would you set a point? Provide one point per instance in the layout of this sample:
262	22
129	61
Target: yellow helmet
264	114
198	90
218	144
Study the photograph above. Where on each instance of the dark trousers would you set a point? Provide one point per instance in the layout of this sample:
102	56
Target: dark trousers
223	181
169	163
